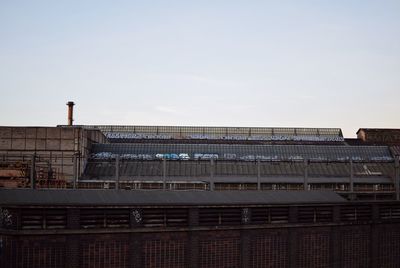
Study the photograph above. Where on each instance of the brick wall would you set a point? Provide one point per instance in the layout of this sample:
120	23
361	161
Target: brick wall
336	246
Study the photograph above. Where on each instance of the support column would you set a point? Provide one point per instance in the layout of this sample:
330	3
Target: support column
245	248
75	170
73	218
212	175
335	256
193	250
258	175
192	253
135	250
32	177
374	246
164	162
117	172
73	252
306	174
292	250
397	177
351	177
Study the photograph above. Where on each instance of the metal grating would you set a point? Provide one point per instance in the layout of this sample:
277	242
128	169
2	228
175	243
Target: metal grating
220	216
159	217
355	213
390	212
264	215
104	218
227	133
43	218
315	214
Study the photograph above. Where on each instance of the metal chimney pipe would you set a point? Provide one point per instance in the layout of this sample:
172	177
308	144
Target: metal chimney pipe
70	112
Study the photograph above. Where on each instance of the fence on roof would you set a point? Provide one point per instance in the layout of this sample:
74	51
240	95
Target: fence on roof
223	133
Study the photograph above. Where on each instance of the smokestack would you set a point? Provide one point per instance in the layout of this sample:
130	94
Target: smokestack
70	112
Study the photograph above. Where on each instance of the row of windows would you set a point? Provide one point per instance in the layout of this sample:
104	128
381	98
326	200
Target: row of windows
221	130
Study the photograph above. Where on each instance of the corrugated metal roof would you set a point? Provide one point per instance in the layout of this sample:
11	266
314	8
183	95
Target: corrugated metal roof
176	198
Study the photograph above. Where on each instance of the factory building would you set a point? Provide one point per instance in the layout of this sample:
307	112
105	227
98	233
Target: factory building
174	196
198	158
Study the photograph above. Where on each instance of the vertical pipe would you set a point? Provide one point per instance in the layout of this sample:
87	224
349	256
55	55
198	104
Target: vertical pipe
258	175
306	174
351	176
32	177
75	170
117	172
164	161
397	177
212	174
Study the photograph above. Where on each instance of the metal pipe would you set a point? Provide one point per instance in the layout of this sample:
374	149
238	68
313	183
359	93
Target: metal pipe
75	170
164	161
258	175
351	176
212	174
70	112
117	172
32	177
397	177
306	175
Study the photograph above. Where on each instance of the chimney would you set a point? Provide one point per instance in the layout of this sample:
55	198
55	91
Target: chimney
70	112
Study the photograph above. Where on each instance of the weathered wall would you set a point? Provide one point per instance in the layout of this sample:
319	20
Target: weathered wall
333	246
379	136
61	148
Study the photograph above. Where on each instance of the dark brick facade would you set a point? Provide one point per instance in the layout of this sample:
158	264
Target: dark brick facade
276	247
333	235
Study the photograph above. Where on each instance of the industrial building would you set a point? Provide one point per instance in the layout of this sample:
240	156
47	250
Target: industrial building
198	158
173	196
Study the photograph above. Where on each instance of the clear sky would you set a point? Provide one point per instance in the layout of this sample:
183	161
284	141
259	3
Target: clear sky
277	63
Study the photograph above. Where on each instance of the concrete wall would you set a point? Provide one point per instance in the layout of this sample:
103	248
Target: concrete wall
61	148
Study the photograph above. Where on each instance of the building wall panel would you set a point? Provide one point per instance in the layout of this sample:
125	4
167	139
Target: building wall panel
388	246
53	144
313	248
106	252
355	241
270	249
220	250
18	133
5	143
18	144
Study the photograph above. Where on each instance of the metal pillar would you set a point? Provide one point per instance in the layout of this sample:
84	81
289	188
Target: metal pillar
397	177
212	175
75	170
32	177
351	176
258	175
117	172
306	174
164	161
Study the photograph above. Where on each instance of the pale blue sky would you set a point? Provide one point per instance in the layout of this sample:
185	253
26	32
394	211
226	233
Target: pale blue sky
221	63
